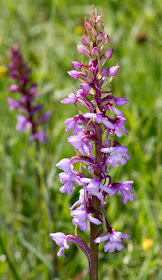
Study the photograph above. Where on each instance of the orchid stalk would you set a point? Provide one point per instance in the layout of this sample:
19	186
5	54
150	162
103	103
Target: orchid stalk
95	141
31	116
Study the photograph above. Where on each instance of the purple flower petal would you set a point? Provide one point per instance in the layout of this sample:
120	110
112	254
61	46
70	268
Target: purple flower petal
70	100
41	136
125	190
33	89
119	101
22	123
64	164
119	155
45	116
60	239
119	124
80	201
13	104
115	239
36	109
80	217
93	220
68	187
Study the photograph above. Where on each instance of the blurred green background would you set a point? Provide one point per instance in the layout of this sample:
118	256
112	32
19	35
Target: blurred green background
47	32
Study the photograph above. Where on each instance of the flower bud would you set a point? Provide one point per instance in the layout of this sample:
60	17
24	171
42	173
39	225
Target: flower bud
99	25
33	89
85	86
11	65
22	123
108	53
119	101
81	93
14	104
92	65
14	52
74	74
41	136
105	72
13	74
96	51
45	116
92	18
94	34
114	70
81	49
85	41
106	39
76	65
100	37
35	109
14	88
24	80
87	27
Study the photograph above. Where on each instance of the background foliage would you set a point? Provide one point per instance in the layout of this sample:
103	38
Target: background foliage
47	32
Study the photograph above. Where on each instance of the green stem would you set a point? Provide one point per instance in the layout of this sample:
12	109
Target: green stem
95	205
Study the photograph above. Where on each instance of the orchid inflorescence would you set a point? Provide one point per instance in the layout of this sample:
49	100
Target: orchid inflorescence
31	116
95	134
